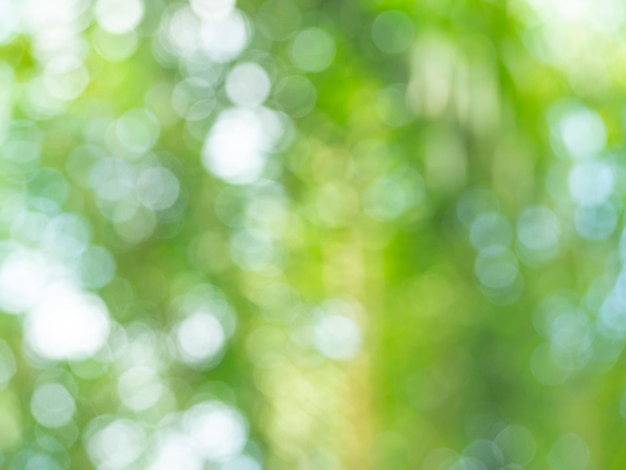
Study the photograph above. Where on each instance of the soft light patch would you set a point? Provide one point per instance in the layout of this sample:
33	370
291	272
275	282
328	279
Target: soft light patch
67	323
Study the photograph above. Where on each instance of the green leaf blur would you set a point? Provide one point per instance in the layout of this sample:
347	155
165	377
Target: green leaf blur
312	234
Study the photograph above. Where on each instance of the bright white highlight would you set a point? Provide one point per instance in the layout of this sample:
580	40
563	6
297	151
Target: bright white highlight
212	9
237	145
199	337
23	275
224	39
119	16
217	432
174	450
9	21
606	15
67	323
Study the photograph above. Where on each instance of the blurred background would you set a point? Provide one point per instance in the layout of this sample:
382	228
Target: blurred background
312	234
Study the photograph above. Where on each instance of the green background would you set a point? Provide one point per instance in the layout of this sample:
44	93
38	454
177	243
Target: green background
404	218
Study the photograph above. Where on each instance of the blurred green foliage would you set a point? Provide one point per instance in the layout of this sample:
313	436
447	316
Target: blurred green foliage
308	234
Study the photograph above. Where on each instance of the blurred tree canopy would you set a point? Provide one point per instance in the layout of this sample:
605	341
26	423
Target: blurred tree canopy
309	234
